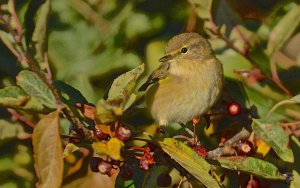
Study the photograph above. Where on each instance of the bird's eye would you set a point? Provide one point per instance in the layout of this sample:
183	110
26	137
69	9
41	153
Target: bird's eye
184	50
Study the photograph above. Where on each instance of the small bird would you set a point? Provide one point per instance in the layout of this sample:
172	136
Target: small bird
187	83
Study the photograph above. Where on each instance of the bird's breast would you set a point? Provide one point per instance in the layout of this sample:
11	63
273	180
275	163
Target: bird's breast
185	95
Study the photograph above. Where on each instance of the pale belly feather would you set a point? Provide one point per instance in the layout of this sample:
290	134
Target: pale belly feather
180	99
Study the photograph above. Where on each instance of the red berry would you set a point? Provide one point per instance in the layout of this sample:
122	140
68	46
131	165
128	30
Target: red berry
234	108
201	150
105	167
253	183
245	148
100	135
75	140
94	162
123	133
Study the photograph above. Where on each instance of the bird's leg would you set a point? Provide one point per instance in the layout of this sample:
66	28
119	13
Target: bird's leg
196	120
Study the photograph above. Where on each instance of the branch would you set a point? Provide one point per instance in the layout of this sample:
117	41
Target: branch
25	57
244	53
226	148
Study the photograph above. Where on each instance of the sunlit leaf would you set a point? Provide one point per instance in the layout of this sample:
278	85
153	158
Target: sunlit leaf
202	8
112	148
296	181
189	160
70	148
48	151
124	85
107	112
104	129
283	30
274	135
13	96
10	130
251	165
262	147
35	87
8	41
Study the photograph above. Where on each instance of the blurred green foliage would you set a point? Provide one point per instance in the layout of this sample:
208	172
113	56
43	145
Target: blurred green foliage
87	44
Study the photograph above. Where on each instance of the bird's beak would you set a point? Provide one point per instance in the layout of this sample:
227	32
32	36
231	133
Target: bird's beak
166	58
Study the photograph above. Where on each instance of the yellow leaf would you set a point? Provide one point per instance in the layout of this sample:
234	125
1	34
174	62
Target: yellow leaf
105	129
48	151
262	147
100	147
76	167
70	148
114	147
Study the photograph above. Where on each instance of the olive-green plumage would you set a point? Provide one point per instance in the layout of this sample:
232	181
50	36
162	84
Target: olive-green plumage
187	83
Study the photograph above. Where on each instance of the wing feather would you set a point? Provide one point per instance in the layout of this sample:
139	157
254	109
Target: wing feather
160	73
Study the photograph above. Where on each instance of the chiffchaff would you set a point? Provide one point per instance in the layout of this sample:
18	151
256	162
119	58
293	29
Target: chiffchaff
187	83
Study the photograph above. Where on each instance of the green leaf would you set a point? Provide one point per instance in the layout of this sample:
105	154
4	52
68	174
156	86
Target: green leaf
13	96
202	8
48	151
112	148
293	100
73	96
274	135
261	59
37	29
108	112
283	30
35	87
260	96
296	182
151	178
141	178
251	165
16	98
189	160
70	148
123	86
8	41
10	130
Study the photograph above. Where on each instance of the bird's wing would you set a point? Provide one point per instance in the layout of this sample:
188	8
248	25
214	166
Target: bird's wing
160	73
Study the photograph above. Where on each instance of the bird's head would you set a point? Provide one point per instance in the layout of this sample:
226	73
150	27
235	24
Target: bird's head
187	47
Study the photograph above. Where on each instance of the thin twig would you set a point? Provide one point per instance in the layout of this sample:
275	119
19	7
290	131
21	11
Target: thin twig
289	124
190	140
15	115
48	68
276	78
16	20
90	14
26	57
245	54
